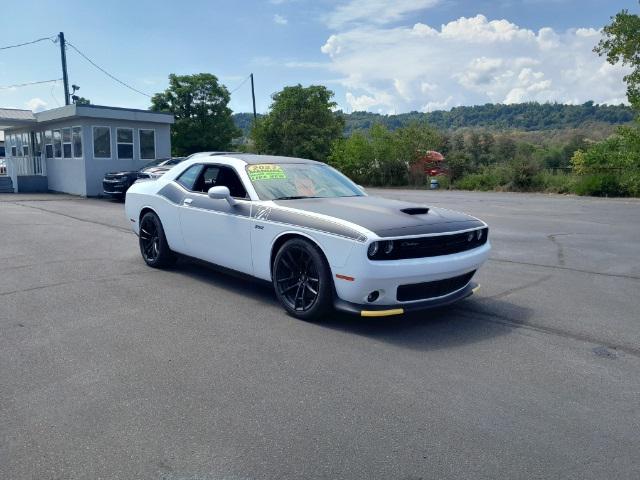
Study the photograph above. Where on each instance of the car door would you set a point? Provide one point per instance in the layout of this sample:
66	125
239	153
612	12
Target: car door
213	230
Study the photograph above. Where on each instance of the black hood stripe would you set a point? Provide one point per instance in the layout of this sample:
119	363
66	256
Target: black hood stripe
385	217
300	219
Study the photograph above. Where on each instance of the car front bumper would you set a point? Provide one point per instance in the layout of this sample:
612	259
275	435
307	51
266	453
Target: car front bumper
358	278
372	310
110	187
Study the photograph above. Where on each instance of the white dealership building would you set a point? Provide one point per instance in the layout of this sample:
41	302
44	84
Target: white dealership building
69	149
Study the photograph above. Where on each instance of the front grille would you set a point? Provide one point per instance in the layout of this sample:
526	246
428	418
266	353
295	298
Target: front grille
111	176
434	246
426	290
111	187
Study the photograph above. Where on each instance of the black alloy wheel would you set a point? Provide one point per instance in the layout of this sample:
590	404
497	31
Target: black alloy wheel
153	243
302	280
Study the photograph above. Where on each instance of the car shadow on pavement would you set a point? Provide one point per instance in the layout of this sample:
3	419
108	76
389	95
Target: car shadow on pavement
468	321
444	327
220	277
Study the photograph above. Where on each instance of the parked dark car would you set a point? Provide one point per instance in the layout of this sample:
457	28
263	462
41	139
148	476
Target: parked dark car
116	184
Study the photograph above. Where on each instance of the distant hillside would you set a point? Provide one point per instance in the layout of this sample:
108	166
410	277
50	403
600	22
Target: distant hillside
521	116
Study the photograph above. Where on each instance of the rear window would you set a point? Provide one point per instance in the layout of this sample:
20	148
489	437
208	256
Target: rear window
188	178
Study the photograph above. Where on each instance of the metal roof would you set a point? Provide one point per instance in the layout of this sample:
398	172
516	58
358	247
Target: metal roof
10	117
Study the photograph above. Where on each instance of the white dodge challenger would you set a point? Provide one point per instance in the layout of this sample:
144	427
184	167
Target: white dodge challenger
308	229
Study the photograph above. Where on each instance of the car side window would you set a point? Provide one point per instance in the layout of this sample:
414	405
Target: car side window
220	175
188	178
209	176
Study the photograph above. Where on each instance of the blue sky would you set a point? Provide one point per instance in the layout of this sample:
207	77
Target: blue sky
382	56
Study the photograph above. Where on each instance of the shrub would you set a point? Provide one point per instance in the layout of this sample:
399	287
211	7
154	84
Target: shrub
523	171
601	185
631	184
443	181
555	182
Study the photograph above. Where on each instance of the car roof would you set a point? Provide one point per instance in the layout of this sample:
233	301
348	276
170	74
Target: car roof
253	158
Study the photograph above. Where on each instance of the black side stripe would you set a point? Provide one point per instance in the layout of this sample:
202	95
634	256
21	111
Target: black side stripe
172	193
177	195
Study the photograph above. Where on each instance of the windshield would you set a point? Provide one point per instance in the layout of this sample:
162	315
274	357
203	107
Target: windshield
287	181
172	161
154	163
163	162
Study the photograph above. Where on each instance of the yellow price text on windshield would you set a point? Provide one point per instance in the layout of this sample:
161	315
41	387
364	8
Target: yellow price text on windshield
266	172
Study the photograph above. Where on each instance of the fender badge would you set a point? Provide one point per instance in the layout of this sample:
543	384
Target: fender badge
263	213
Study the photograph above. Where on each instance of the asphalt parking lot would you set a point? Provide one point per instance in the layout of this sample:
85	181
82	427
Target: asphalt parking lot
110	369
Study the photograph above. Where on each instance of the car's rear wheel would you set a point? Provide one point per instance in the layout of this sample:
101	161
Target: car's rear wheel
302	280
153	243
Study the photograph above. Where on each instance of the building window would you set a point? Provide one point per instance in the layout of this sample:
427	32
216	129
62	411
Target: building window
101	142
124	138
25	144
12	145
57	144
38	144
147	144
76	137
66	142
48	145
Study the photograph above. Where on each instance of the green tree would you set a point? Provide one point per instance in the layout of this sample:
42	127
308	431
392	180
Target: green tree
412	144
388	166
353	156
457	142
474	147
505	149
459	164
524	167
200	106
300	123
621	43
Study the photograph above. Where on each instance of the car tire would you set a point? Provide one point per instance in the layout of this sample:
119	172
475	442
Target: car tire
153	242
302	280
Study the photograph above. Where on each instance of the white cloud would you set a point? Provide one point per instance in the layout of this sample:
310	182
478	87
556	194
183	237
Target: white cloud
36	104
279	19
375	11
469	61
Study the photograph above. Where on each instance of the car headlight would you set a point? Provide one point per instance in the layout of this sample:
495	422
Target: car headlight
380	250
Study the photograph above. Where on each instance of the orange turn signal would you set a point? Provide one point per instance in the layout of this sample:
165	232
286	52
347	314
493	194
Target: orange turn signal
345	277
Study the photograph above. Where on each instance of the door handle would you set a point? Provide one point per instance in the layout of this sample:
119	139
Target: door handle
187	201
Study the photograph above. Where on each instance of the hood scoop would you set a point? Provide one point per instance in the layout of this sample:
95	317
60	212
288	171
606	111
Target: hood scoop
415	210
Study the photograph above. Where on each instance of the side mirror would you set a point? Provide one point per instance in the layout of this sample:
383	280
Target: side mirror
221	193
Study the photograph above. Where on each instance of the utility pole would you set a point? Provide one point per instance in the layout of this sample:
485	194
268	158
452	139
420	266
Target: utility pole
63	58
253	96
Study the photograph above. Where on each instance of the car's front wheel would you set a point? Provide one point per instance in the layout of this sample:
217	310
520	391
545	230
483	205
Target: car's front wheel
153	243
302	279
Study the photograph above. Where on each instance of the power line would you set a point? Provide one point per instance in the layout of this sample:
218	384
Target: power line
52	95
107	73
5	87
28	43
241	84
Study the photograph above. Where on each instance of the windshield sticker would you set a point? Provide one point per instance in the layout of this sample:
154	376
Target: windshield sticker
266	172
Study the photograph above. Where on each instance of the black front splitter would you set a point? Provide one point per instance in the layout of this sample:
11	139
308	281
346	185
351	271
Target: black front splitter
399	309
